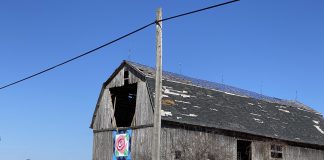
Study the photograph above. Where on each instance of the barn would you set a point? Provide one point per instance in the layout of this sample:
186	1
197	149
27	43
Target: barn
201	120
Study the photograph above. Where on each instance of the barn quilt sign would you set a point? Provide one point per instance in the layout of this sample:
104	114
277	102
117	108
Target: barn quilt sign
122	145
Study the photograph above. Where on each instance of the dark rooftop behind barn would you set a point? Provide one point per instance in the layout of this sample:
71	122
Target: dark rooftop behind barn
198	102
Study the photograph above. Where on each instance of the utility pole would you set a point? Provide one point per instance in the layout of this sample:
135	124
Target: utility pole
158	89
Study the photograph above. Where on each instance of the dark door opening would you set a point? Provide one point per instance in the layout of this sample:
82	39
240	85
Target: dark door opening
124	100
244	150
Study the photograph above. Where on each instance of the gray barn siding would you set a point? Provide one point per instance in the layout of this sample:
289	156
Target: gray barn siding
140	147
133	76
118	79
196	144
102	146
261	151
102	140
299	153
143	112
104	112
142	138
141	143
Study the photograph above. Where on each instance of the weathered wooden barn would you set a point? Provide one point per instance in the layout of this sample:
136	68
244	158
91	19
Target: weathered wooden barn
202	120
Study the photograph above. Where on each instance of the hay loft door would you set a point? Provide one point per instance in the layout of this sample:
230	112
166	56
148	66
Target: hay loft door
124	104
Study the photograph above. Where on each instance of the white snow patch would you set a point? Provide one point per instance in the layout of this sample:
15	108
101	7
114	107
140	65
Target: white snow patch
255	114
231	93
209	96
166	87
165	113
179	117
176	93
306	116
302	109
163	95
196	106
258	120
185	96
283	110
193	115
317	122
182	101
319	129
167	91
190	115
281	106
213	109
251	104
305	109
184	108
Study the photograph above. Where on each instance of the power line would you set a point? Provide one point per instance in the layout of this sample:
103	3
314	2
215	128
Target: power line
199	10
77	57
113	41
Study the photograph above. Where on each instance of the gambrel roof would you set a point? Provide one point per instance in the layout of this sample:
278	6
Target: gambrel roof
197	102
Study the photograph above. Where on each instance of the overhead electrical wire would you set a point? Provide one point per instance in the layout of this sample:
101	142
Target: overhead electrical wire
113	41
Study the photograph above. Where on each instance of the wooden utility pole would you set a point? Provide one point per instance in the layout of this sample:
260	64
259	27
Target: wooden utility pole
158	89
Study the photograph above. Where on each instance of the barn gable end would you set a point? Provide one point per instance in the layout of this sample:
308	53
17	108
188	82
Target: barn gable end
123	103
125	74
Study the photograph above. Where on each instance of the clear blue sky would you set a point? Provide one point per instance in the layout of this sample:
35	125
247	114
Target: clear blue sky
274	44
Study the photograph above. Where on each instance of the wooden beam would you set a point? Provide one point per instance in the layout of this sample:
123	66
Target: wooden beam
123	128
158	89
113	111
